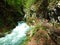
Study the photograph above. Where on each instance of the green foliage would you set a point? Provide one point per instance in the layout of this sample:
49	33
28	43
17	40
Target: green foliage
52	3
17	4
10	13
20	5
28	3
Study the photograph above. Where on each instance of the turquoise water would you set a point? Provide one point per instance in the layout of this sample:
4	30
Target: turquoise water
17	36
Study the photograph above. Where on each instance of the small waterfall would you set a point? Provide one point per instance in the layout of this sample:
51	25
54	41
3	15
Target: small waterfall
17	36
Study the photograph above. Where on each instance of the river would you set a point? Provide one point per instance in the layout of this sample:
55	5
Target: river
17	36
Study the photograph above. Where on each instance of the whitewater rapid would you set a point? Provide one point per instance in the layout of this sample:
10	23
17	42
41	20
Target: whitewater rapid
17	36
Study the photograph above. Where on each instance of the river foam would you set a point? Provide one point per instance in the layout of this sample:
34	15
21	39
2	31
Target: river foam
17	35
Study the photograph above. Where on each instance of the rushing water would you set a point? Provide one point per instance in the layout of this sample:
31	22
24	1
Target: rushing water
17	36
